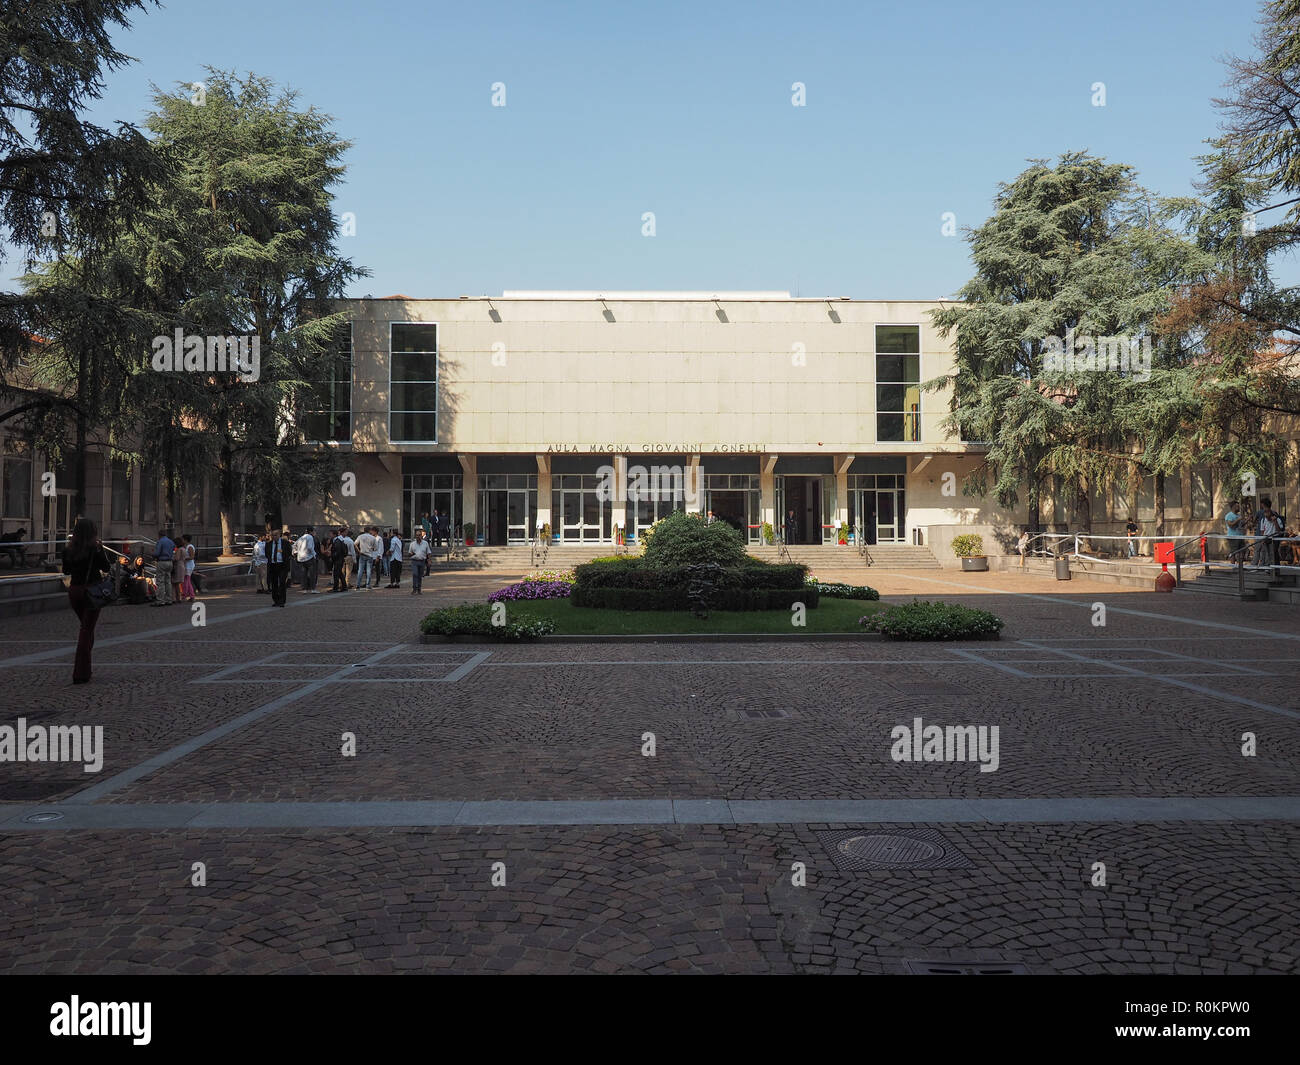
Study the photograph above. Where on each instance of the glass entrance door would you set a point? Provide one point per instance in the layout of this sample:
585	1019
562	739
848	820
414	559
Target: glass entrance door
877	502
58	520
583	515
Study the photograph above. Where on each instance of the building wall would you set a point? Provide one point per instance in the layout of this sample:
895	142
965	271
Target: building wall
522	375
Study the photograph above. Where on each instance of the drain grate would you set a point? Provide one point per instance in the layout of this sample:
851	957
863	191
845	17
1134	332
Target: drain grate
920	967
858	851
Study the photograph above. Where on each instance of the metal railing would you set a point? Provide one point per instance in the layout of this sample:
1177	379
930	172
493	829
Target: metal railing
540	547
860	539
1237	550
782	551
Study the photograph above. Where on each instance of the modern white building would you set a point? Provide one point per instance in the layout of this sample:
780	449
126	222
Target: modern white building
560	409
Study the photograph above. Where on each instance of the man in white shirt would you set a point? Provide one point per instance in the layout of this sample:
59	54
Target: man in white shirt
304	550
259	564
419	561
366	557
394	560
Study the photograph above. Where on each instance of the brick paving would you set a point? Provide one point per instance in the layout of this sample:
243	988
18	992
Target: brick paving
1153	704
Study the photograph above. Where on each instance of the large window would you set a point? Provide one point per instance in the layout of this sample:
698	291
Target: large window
1202	492
898	383
121	503
413	388
149	481
329	416
17	479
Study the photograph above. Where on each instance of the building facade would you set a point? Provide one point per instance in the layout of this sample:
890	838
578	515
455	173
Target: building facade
594	414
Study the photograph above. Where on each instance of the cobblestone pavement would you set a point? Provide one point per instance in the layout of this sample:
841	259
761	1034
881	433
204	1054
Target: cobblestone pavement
253	707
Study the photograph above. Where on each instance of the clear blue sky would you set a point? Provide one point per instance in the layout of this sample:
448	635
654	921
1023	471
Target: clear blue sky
684	109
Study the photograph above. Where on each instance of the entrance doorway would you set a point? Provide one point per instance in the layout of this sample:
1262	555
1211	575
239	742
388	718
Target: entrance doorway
58	520
507	507
803	496
878	503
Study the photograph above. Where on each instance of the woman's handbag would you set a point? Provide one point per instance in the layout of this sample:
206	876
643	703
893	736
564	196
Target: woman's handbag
103	591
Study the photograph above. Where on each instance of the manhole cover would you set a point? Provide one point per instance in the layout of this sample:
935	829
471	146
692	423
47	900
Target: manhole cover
859	850
37	819
761	715
889	850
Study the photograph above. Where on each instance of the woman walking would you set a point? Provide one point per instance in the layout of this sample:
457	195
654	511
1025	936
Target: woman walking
84	561
186	558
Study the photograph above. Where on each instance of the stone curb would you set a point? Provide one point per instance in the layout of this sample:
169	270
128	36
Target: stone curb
680	637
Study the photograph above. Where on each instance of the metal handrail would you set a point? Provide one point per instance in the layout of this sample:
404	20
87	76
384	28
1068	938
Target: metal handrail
782	551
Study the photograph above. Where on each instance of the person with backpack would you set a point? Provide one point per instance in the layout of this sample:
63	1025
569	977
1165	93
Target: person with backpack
394	560
85	562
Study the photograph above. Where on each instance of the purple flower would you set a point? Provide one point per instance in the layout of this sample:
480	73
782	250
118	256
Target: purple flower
531	590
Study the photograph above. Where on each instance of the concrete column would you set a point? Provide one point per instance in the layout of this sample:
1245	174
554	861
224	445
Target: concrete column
544	492
693	488
469	491
842	464
618	501
767	491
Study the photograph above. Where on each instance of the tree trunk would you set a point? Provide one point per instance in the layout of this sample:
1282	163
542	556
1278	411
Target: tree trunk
1083	505
169	478
226	497
82	391
1035	505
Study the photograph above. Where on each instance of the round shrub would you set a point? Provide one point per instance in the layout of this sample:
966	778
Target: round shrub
683	539
919	620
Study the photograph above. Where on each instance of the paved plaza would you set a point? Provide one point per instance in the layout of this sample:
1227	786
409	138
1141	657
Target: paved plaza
501	812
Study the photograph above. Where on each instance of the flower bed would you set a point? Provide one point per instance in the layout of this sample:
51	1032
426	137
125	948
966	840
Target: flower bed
531	589
566	575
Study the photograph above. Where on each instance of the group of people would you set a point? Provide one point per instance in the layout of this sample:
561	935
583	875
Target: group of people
1267	526
354	563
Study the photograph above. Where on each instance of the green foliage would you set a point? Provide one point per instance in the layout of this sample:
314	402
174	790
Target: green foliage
661	598
919	620
683	539
847	591
620	571
769	536
475	619
467	529
967	545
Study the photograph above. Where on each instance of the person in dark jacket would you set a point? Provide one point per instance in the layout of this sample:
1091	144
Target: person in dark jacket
84	561
338	559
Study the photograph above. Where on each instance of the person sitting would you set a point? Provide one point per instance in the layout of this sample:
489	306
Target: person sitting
11	544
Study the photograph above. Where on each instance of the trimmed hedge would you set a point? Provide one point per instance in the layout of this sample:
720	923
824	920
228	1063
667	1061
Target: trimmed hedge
638	572
661	597
475	619
919	620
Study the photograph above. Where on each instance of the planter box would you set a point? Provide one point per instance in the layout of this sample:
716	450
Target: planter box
974	564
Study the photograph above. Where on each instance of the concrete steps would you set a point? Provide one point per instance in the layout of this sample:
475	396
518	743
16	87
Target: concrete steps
1260	585
34	594
833	556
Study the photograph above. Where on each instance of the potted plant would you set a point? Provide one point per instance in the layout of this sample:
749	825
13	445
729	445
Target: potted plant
844	533
768	535
546	531
468	530
969	547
